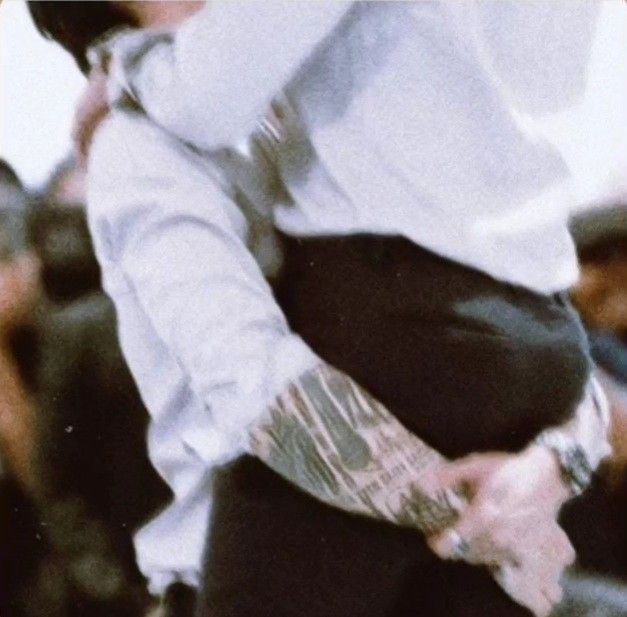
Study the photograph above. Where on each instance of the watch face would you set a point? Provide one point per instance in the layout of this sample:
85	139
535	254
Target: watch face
576	465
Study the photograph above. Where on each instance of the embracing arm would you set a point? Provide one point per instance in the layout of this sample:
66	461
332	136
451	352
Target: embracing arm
357	456
211	80
158	211
179	239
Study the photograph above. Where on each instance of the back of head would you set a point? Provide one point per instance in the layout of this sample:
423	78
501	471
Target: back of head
76	25
8	177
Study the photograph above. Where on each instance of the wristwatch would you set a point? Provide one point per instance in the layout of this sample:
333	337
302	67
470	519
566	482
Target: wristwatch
573	462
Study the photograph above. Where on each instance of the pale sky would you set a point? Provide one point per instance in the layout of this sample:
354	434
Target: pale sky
39	87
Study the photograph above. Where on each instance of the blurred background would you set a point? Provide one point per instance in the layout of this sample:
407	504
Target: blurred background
74	478
40	85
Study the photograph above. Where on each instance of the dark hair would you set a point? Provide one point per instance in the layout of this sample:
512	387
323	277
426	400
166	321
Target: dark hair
76	25
60	237
601	233
8	175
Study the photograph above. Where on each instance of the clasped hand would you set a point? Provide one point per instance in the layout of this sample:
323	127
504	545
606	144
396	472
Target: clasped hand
510	522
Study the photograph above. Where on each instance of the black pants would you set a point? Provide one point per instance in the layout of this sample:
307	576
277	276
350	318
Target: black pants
465	362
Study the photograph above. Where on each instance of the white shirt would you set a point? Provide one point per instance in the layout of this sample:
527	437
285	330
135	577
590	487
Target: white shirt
413	119
204	340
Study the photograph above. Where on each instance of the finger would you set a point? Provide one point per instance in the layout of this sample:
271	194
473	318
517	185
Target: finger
90	112
454	542
543	607
554	593
543	576
86	130
472	466
448	545
522	588
566	554
569	553
558	545
466	470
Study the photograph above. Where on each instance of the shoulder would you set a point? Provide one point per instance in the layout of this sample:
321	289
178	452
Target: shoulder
129	145
138	172
127	155
131	158
123	139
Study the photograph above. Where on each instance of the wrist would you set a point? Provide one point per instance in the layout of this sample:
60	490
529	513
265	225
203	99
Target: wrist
564	467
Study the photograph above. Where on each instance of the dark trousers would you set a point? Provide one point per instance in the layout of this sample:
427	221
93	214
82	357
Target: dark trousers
466	362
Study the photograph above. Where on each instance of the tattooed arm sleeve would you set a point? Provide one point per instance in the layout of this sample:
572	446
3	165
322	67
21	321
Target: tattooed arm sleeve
333	440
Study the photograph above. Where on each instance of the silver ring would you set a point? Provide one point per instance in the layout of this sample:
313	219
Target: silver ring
461	547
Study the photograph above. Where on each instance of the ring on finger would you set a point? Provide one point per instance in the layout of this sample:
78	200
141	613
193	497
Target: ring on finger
461	548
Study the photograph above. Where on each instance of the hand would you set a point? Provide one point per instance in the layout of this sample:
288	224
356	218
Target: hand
92	109
19	284
502	490
510	522
535	582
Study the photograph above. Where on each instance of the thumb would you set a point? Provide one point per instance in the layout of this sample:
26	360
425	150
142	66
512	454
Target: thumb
466	472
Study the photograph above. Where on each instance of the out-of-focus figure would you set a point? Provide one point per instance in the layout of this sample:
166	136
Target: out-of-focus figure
601	298
79	480
19	294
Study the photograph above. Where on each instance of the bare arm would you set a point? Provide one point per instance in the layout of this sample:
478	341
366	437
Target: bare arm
331	438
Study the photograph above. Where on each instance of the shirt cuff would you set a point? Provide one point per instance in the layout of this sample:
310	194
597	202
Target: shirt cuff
234	414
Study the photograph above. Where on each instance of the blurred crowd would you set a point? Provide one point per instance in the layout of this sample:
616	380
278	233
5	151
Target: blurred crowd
75	481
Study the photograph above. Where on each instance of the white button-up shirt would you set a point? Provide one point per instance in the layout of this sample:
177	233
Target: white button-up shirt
421	119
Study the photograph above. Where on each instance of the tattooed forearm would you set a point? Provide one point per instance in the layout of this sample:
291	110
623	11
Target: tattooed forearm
333	440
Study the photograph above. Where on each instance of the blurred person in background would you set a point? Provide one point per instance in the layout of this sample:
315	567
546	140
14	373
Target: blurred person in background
58	228
601	298
126	134
19	294
66	185
11	189
601	294
21	545
83	480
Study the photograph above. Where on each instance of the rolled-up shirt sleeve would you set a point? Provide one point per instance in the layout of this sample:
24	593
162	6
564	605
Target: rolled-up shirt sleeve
160	216
211	80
